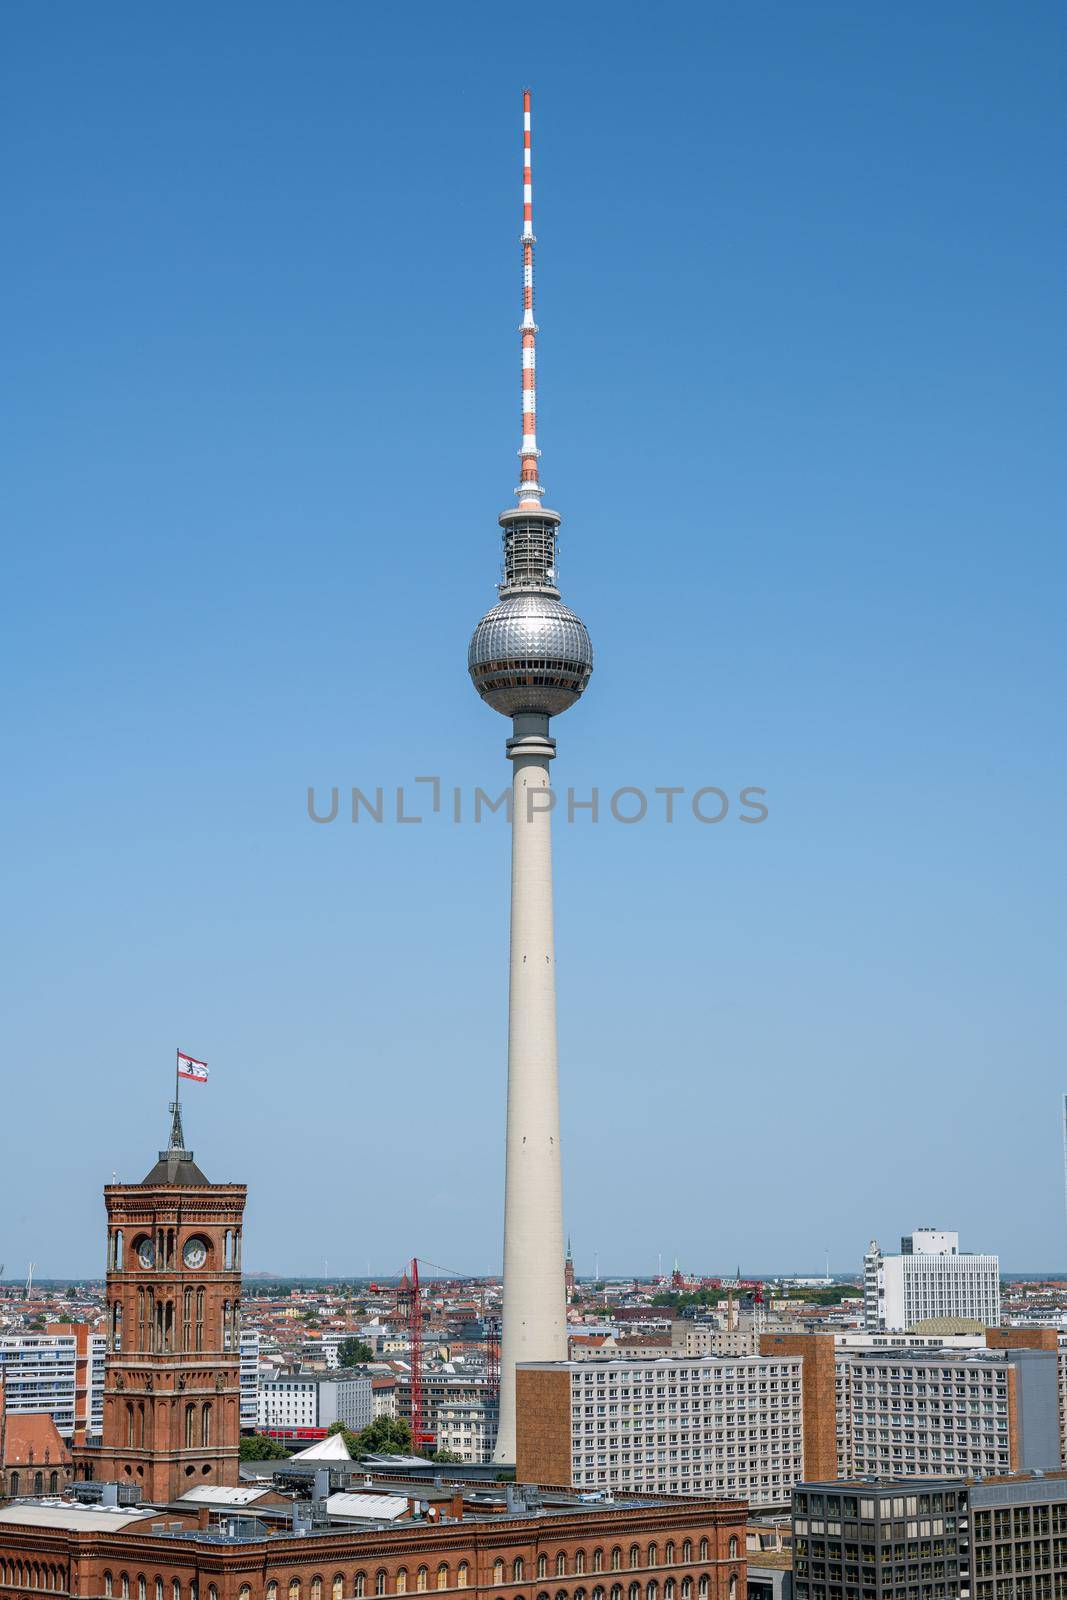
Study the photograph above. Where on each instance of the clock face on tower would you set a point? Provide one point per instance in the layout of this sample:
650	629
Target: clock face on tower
146	1254
195	1253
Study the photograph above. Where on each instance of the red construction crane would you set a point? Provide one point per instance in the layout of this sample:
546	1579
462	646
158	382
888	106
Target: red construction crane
409	1305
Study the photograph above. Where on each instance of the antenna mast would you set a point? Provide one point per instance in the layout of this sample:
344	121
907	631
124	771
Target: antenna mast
529	490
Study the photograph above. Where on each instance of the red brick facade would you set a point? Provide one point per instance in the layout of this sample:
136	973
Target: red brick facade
172	1392
685	1550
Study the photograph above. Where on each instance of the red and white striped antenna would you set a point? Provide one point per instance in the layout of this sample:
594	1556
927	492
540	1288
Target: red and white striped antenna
529	490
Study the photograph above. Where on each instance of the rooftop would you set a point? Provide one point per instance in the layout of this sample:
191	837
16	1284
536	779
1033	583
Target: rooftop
658	1363
879	1486
70	1517
224	1494
32	1440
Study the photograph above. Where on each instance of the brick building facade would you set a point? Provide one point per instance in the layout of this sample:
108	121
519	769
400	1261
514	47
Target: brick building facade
172	1396
680	1550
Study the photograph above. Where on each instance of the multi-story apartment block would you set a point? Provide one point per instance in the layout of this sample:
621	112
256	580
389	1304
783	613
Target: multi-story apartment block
691	1338
441	1389
250	1342
929	1280
467	1428
929	1412
305	1405
59	1372
383	1392
901	1402
707	1425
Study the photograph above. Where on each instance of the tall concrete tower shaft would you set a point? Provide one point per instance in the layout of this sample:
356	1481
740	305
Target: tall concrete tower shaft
530	659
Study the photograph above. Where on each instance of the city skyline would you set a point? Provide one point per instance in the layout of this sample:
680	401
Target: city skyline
805	434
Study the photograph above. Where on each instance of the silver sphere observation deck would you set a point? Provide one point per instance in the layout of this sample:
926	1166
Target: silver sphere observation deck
530	653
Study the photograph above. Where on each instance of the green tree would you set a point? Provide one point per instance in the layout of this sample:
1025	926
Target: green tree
354	1352
260	1447
449	1456
390	1436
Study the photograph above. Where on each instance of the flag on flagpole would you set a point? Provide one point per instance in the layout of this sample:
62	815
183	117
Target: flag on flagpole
189	1067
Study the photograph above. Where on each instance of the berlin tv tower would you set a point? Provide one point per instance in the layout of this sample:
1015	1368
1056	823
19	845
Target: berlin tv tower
530	658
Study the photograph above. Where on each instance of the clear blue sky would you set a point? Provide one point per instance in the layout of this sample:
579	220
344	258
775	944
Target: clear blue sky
802	377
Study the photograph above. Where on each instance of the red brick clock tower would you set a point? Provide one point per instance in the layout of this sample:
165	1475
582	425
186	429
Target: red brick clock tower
172	1389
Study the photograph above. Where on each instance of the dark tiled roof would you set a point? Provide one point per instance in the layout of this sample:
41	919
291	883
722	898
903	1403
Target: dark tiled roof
176	1168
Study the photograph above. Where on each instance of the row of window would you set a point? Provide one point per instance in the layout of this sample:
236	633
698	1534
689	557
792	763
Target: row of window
32	1574
362	1585
670	1557
684	1377
33	1484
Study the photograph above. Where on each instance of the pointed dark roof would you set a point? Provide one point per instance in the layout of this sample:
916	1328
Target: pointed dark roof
176	1167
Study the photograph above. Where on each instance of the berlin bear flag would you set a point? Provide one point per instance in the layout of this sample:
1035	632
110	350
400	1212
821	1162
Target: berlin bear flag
189	1067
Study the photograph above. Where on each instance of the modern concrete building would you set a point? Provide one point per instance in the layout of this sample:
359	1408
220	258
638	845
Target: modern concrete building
249	1351
305	1405
936	1539
445	1390
929	1280
468	1428
927	1412
899	1403
1018	1538
59	1372
530	659
706	1425
860	1540
706	1339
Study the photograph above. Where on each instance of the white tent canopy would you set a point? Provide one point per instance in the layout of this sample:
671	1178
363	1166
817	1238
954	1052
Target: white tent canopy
332	1448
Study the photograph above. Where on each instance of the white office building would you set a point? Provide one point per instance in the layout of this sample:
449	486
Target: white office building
304	1405
60	1373
929	1280
250	1342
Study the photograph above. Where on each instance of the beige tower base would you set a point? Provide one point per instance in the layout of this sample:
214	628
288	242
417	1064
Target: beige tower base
535	1316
